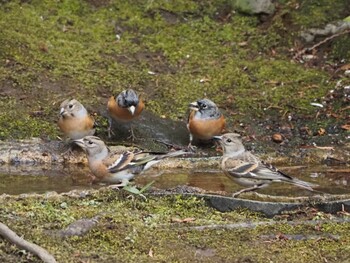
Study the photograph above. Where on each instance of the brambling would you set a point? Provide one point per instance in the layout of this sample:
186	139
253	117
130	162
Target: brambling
205	120
74	121
124	108
118	167
248	170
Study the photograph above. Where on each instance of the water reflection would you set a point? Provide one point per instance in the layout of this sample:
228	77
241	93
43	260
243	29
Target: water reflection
35	179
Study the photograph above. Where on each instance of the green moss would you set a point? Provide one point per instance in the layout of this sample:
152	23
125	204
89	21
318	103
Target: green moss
196	49
17	123
318	13
128	230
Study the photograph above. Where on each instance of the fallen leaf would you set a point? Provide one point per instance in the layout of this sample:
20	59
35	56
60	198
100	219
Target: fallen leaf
150	253
185	220
281	236
321	131
188	219
345	127
243	44
345	67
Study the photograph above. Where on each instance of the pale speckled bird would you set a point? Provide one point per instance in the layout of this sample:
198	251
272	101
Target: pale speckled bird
205	120
248	170
74	121
118	167
125	107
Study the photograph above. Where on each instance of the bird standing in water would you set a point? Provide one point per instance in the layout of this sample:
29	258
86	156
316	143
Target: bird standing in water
118	167
248	170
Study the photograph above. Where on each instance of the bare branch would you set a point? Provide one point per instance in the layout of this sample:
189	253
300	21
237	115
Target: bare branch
307	49
12	237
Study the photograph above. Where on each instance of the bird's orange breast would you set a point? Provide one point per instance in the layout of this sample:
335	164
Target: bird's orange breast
205	129
70	125
99	170
123	114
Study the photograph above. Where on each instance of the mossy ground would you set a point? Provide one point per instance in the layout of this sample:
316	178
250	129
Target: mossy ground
153	230
92	49
172	52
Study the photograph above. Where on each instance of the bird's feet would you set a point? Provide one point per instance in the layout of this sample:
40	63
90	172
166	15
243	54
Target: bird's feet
110	132
117	186
132	135
191	147
109	129
249	189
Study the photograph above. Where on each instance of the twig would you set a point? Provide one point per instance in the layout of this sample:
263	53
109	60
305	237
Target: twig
12	237
303	51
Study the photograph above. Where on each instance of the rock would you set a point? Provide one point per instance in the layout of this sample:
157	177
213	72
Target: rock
254	7
270	209
330	29
78	228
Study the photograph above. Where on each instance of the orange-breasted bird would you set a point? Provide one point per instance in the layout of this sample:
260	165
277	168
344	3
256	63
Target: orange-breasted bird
205	120
125	107
121	166
74	121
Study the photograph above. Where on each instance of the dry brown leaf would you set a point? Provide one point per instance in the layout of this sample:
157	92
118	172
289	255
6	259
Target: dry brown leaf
345	127
321	131
243	44
185	220
345	67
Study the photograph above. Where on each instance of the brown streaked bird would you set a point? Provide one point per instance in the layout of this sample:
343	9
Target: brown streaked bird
126	107
248	170
74	121
118	167
205	120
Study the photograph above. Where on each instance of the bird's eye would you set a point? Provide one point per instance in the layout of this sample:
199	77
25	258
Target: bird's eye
204	106
90	142
229	140
70	106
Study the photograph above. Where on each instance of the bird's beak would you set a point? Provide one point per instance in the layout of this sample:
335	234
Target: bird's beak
80	143
194	106
62	111
132	109
218	138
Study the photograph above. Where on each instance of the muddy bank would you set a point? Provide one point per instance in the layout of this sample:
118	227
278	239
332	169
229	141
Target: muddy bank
38	151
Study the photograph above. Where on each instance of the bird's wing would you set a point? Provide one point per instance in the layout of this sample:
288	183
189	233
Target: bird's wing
270	170
118	161
141	158
239	168
255	170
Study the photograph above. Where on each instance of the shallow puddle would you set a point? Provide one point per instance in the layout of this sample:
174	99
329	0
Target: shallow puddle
36	179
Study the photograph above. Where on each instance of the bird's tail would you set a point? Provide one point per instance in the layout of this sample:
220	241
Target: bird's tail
173	154
303	184
155	159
